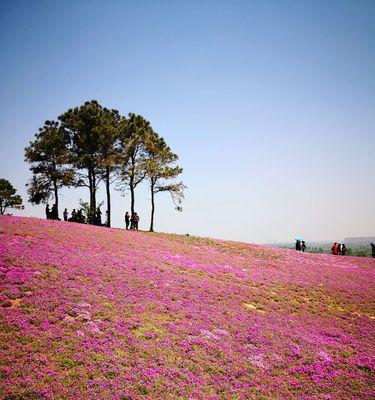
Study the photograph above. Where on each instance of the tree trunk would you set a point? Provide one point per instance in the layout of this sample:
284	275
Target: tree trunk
132	195
152	207
93	202
94	190
108	197
132	201
91	198
56	197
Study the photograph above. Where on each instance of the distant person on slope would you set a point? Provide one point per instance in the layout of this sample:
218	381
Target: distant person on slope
339	249
303	246
73	218
98	217
334	249
65	215
135	221
54	214
48	212
343	249
372	249
80	217
298	245
127	220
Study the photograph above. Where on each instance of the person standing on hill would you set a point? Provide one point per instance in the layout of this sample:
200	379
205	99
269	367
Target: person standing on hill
298	245
135	221
48	212
343	249
127	220
303	246
98	217
80	217
339	249
334	249
74	215
54	214
372	249
65	215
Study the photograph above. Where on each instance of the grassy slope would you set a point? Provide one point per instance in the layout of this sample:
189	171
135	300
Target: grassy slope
93	313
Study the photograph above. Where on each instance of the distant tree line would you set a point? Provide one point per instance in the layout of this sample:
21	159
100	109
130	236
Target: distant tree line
91	144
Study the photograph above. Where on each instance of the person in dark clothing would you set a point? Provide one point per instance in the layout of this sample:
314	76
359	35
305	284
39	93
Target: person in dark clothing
98	217
303	246
48	212
298	245
372	249
54	214
339	249
135	221
73	217
65	215
343	249
80	217
127	220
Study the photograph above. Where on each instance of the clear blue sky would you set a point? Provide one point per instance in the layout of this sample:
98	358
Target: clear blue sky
269	104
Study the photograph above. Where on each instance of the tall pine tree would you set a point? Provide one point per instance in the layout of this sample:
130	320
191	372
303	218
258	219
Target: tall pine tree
132	168
83	126
161	169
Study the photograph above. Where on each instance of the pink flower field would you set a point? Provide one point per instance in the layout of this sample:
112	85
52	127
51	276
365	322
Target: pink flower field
97	313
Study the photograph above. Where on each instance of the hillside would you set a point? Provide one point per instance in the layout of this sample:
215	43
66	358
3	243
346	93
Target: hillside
97	313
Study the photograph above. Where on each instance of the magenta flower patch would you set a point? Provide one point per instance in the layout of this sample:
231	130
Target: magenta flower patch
96	313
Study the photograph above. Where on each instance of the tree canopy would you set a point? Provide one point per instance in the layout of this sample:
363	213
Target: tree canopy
90	144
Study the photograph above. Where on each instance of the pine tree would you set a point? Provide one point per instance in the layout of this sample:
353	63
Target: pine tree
161	168
132	168
109	150
83	126
8	197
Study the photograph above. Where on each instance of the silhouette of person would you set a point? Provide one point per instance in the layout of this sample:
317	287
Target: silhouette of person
98	217
80	217
298	245
65	214
54	214
343	249
372	249
48	212
127	220
303	246
74	215
339	249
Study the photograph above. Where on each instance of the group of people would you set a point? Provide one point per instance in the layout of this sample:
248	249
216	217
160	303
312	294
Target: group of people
131	221
300	245
338	249
76	216
52	213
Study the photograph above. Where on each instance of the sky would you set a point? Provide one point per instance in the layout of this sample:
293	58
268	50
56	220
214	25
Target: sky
268	104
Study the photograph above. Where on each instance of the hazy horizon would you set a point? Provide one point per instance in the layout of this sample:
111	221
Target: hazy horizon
269	105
